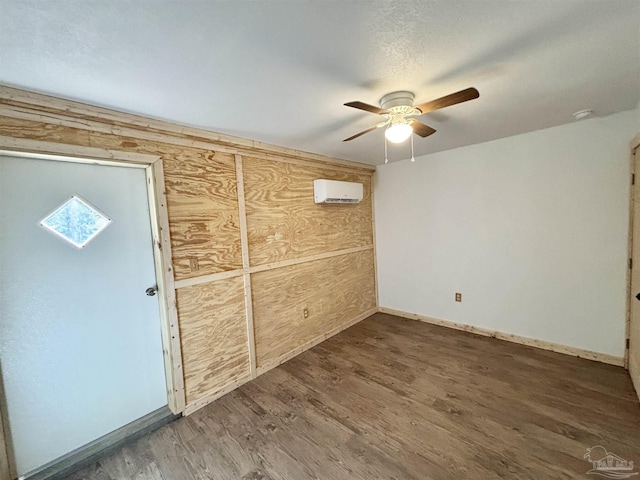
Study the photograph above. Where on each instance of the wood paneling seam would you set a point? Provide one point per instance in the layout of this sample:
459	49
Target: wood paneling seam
100	156
373	229
169	313
248	300
189	282
161	137
213	277
311	258
36	102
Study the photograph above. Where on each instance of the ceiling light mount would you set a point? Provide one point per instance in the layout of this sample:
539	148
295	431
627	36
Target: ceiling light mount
398	102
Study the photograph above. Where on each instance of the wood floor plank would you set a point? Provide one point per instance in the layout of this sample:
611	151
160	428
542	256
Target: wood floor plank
398	399
342	442
369	402
150	472
463	419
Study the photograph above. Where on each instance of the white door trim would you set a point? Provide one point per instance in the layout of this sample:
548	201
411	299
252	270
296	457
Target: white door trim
4	441
629	362
634	144
162	246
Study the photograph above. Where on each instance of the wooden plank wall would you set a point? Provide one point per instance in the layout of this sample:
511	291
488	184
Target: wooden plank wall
251	250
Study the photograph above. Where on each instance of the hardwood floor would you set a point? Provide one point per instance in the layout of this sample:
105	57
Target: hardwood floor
398	399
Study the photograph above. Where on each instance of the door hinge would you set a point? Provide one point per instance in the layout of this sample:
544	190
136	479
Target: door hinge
627	345
633	179
631	264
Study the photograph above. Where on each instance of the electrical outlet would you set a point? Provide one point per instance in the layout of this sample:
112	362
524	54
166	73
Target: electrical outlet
305	312
193	264
458	297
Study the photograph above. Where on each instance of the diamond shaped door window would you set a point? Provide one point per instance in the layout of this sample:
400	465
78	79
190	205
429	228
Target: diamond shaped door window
76	221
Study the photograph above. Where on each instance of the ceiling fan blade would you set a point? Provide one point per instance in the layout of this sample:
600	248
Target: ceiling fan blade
360	133
421	129
448	100
366	107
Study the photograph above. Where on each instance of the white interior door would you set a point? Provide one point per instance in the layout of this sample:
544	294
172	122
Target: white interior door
80	341
634	325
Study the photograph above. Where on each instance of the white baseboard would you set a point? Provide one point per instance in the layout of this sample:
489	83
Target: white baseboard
510	337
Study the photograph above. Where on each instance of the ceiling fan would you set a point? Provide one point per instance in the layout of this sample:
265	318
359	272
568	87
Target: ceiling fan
397	109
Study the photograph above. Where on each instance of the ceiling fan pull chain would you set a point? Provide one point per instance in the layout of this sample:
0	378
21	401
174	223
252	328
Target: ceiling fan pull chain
413	158
386	157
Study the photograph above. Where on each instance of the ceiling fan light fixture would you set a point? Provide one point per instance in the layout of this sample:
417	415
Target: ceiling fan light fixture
398	132
396	107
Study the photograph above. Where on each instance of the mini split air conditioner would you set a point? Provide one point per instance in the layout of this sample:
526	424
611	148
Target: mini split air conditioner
333	191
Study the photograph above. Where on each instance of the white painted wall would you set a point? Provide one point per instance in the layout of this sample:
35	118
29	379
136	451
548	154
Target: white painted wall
532	229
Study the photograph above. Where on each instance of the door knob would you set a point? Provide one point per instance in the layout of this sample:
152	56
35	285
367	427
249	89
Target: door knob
151	291
638	296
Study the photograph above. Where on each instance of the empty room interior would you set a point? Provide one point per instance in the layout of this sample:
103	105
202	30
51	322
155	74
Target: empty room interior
290	240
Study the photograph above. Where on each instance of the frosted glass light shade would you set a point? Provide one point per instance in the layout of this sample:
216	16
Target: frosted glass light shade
398	133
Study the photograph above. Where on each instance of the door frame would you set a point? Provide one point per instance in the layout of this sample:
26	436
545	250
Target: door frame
4	444
634	146
159	219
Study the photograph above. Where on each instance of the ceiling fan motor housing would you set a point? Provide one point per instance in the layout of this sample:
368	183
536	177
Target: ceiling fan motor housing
398	102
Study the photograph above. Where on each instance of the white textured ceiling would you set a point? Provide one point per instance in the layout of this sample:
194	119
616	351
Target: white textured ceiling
279	71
